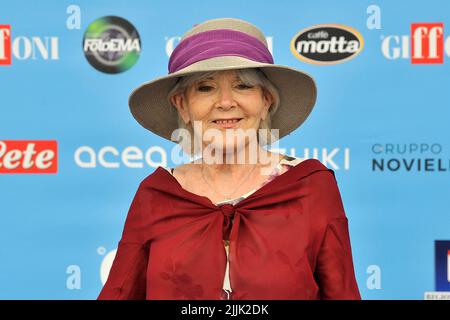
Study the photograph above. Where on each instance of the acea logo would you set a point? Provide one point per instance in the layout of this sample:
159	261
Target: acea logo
327	44
111	44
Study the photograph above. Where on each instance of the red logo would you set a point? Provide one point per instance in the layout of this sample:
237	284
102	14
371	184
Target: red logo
5	44
427	43
28	156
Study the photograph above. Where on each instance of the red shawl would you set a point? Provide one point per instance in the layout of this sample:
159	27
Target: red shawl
288	240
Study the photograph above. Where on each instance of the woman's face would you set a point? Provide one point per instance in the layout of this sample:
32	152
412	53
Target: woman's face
220	97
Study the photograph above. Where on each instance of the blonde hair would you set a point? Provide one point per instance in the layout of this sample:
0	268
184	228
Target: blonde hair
249	77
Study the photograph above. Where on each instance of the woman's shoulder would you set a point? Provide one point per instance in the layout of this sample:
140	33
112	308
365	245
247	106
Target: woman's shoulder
309	164
185	173
157	176
325	196
312	169
290	160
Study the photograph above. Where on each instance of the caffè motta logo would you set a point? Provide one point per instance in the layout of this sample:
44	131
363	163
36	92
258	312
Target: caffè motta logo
327	44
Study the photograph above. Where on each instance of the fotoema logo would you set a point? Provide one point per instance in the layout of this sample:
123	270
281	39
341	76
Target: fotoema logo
111	44
327	44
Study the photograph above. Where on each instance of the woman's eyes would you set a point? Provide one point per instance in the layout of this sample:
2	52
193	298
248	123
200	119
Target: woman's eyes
244	86
205	88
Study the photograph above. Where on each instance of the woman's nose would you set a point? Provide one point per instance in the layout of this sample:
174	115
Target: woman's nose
225	98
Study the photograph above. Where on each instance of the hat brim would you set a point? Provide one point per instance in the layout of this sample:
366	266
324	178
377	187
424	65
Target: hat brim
150	107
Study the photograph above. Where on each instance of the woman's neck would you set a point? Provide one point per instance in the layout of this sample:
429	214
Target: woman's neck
233	167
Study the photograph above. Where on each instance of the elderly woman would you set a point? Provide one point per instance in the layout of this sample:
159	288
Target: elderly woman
240	222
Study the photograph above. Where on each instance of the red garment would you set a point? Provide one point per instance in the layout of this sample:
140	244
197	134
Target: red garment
289	240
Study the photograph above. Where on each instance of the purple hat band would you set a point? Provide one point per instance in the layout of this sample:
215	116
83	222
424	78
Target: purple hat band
217	43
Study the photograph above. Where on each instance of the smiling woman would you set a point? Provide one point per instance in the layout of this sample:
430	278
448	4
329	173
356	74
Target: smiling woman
212	99
240	222
242	80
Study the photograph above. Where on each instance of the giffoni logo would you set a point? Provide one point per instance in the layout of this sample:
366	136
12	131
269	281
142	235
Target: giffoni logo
26	48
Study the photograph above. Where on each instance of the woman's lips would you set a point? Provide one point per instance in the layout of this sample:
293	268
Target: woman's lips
227	124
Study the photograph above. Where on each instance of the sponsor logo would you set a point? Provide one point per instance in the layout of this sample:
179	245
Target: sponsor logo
409	157
111	44
28	156
25	48
111	158
5	44
327	44
425	45
442	264
133	157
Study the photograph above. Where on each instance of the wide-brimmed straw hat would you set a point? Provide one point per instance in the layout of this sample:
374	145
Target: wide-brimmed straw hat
224	44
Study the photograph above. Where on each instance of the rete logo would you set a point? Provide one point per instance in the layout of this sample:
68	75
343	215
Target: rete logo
28	156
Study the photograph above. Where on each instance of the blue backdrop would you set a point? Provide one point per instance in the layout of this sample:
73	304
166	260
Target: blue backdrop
59	231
